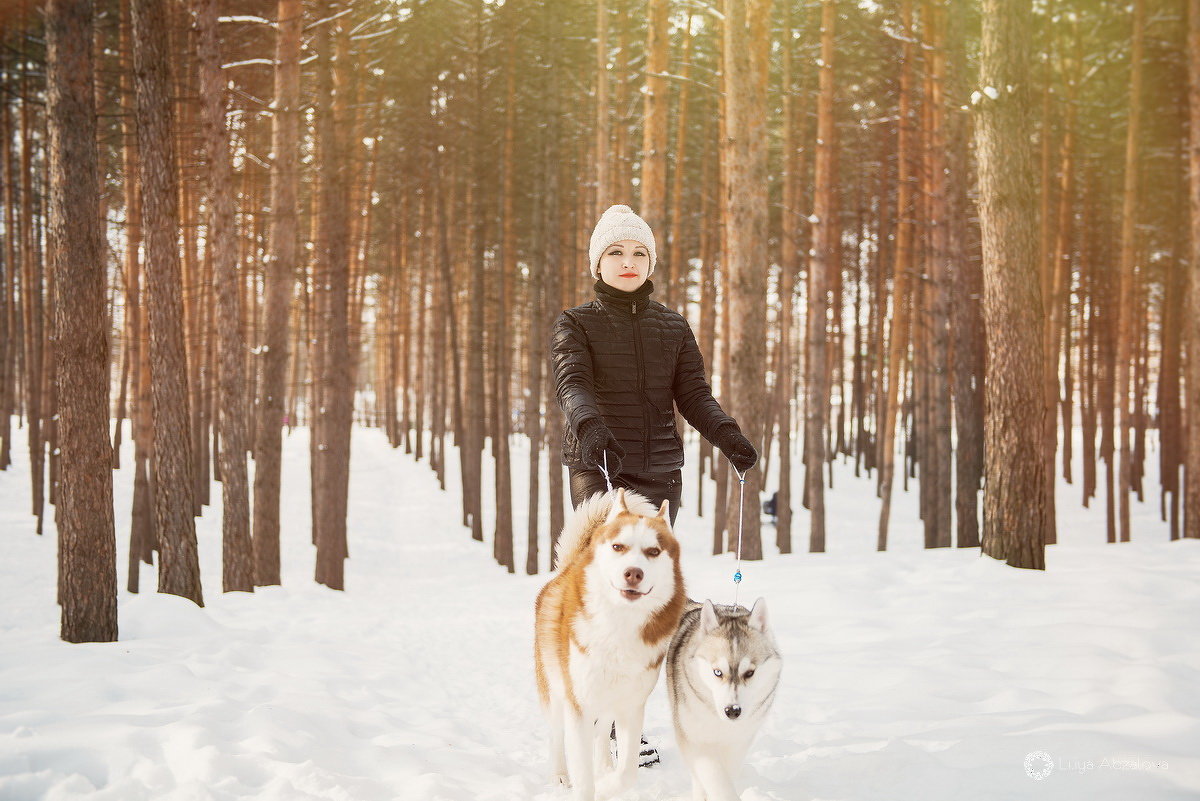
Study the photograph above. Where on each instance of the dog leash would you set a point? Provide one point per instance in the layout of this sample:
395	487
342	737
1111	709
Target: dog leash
737	576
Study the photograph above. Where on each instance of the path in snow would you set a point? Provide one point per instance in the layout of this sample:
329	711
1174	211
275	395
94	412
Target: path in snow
911	674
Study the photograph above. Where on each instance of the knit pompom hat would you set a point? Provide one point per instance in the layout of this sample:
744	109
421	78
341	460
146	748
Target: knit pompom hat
617	223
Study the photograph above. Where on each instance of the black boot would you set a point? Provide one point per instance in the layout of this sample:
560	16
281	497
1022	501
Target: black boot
648	755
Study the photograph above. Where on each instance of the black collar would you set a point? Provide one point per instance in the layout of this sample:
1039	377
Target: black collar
628	302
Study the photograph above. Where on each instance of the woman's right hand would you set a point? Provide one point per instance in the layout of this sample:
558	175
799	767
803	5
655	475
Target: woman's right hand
594	440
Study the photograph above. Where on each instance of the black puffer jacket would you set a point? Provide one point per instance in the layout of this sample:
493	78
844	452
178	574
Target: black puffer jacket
629	360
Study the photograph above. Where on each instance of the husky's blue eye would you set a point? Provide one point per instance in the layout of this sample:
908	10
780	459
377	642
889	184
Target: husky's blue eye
717	672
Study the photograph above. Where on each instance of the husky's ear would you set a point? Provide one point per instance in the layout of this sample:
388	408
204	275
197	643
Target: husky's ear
758	615
664	512
618	505
708	618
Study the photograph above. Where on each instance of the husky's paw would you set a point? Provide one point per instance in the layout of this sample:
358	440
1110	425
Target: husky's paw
613	783
560	780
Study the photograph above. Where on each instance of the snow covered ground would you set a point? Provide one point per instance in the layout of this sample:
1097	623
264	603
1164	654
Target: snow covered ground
911	674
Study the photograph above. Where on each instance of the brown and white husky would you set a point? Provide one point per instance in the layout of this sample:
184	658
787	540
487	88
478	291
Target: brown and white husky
602	628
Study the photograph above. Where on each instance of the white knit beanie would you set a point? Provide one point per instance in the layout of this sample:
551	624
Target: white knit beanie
617	223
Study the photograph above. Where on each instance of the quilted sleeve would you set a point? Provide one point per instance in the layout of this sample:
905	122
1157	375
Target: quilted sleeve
693	395
572	364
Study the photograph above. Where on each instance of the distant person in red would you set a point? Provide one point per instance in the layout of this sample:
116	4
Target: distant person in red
622	363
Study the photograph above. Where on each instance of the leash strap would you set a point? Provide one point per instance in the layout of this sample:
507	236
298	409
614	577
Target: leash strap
737	576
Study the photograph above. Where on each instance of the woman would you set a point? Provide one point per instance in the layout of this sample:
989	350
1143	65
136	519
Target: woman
622	363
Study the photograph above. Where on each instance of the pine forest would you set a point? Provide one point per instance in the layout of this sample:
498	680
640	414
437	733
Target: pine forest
952	246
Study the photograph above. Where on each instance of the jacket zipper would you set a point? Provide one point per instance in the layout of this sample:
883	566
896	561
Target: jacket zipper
641	383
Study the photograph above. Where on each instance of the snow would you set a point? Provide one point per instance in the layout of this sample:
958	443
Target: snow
910	674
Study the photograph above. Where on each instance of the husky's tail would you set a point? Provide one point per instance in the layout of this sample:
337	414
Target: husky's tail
589	515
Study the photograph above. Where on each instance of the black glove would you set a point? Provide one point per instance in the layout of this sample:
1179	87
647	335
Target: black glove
594	440
735	446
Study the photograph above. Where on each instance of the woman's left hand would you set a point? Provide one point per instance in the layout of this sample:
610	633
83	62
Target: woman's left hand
734	445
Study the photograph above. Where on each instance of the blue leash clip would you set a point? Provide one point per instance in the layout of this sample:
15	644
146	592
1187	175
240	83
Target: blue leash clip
737	577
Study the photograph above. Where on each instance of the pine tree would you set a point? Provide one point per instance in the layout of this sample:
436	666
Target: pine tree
746	45
282	262
179	568
1014	501
237	555
84	511
1191	514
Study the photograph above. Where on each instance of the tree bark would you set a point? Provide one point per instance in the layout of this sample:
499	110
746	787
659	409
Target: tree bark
791	222
32	310
604	170
1191	513
9	330
899	338
820	267
282	263
237	561
84	512
333	449
747	48
655	102
179	568
941	258
502	545
1015	497
1126	303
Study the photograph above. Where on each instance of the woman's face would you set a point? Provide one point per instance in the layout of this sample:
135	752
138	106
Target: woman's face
625	265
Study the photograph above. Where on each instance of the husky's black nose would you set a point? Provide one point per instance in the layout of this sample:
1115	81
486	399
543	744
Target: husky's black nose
634	576
733	711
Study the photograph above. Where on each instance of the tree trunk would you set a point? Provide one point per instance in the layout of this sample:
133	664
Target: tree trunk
533	394
709	242
604	169
898	339
179	568
445	261
84	512
237	562
1126	309
675	249
655	105
622	160
1191	506
9	330
282	262
939	285
820	268
1015	498
33	310
747	48
333	450
792	220
503	541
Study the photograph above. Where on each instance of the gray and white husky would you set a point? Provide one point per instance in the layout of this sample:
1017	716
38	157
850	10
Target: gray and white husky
722	671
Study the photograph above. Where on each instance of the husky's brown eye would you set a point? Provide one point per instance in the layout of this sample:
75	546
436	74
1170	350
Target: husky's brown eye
749	673
618	547
717	672
652	552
